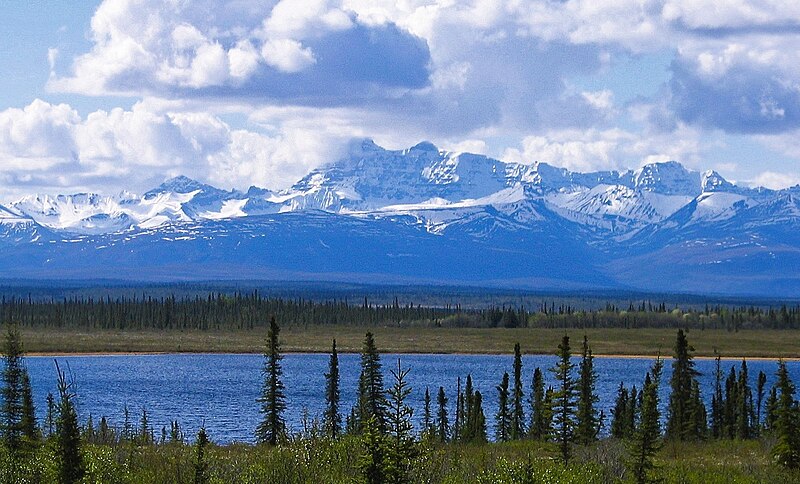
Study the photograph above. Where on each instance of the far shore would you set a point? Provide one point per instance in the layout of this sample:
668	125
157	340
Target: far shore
40	354
605	342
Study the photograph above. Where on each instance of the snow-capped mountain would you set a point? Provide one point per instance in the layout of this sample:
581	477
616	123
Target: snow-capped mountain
427	214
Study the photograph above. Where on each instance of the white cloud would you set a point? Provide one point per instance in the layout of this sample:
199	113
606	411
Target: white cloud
287	55
775	181
131	149
476	71
611	149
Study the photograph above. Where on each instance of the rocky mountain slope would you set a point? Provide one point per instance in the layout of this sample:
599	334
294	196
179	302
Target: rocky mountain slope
425	215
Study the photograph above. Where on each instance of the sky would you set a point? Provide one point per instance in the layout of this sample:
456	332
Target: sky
122	94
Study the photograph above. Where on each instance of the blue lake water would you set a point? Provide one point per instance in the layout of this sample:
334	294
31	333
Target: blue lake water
220	390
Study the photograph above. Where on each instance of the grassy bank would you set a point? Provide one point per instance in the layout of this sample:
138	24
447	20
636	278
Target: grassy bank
645	341
322	460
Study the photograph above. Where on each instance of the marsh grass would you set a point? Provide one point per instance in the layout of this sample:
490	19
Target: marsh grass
642	341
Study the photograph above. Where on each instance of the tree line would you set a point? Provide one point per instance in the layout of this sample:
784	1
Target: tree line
564	414
244	311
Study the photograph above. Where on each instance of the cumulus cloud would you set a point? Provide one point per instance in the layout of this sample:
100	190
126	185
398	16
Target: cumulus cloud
469	75
775	181
252	50
46	147
611	149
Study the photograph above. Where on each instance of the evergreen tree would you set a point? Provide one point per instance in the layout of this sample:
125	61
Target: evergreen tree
12	392
401	445
717	402
272	399
127	428
744	411
175	433
200	464
333	420
458	424
373	460
428	430
619	414
503	416
30	431
51	414
104	433
771	409
787	422
683	411
564	400
477	420
762	381
144	428
539	427
646	437
587	420
517	410
371	400
468	428
88	431
68	439
633	410
729	407
442	424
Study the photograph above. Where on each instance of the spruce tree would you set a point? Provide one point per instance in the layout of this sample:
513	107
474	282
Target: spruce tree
762	381
503	420
717	402
428	429
517	410
144	428
200	463
477	420
744	412
68	437
402	447
538	427
633	410
683	410
771	409
12	392
787	421
588	422
371	401
30	431
272	399
333	420
619	414
373	460
458	423
646	437
564	400
442	424
468	427
51	414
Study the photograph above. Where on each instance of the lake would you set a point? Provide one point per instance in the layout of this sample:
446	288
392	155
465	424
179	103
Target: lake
220	390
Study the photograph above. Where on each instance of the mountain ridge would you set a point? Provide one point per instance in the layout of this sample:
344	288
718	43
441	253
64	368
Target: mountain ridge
428	214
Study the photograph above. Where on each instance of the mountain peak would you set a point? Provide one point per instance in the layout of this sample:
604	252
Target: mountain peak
424	146
668	178
712	181
178	184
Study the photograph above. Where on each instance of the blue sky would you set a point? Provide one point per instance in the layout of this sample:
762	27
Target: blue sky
120	94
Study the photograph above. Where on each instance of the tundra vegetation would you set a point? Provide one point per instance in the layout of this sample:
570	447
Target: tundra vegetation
554	434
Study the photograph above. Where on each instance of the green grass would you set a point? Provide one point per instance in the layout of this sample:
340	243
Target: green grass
325	461
647	342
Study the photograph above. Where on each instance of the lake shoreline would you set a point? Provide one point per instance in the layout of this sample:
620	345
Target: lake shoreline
39	354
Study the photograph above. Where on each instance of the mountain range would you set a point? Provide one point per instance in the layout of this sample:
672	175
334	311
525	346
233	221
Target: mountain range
424	215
